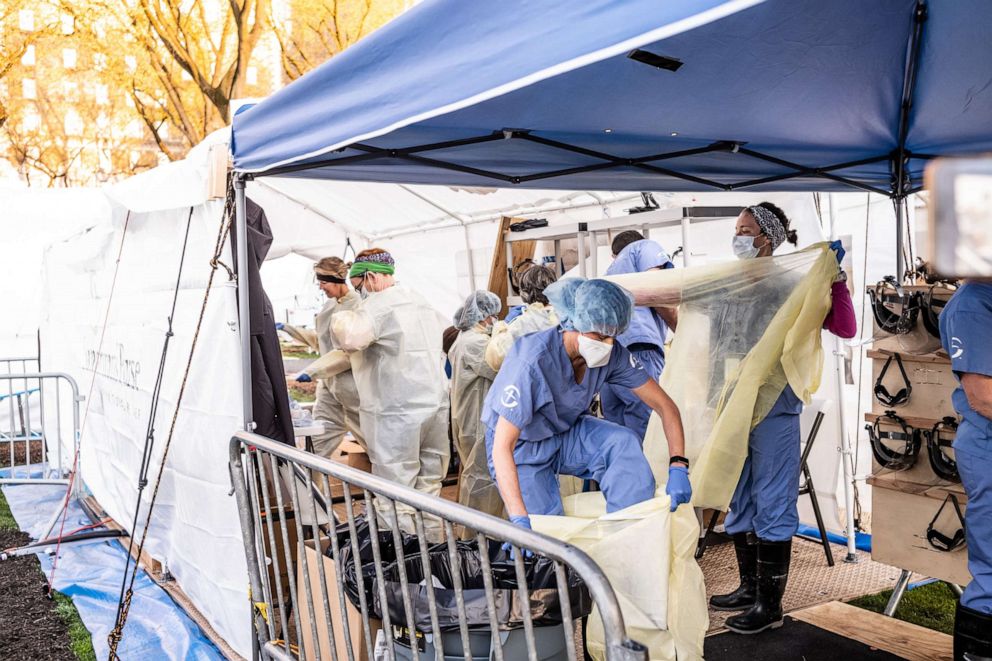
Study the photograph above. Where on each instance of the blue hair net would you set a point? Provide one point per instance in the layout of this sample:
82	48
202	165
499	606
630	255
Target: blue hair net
479	305
602	307
561	295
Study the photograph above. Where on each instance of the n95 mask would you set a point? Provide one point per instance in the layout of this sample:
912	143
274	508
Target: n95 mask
595	352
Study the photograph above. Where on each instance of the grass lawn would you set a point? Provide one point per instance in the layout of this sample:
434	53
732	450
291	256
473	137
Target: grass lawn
931	606
82	644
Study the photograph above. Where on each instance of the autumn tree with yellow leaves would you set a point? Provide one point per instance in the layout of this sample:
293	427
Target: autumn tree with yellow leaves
151	78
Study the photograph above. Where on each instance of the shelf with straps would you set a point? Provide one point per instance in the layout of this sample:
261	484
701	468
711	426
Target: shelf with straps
938	358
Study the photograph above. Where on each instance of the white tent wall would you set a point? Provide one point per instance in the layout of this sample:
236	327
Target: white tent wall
195	528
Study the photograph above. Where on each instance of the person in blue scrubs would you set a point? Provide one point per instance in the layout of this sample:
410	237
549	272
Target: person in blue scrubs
537	410
645	338
763	513
966	334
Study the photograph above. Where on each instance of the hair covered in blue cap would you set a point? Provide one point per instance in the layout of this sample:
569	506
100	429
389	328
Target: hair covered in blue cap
561	296
602	307
478	306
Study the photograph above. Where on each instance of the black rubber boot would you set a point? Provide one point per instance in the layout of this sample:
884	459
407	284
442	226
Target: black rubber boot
773	574
972	635
746	547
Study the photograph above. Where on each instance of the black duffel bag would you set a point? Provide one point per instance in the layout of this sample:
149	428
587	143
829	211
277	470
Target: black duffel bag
544	603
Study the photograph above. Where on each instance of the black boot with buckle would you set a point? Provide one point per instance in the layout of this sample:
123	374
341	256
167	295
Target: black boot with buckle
972	635
746	547
773	574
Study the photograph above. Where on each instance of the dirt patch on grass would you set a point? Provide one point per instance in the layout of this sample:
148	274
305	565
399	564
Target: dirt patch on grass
30	626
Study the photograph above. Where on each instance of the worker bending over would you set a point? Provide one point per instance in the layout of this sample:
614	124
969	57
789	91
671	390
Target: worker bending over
645	338
965	325
537	411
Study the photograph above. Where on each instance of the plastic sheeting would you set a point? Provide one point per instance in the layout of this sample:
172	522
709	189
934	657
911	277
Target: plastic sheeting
746	329
91	574
536	317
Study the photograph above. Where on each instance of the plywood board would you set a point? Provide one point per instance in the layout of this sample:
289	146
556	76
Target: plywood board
933	384
899	535
498	269
903	639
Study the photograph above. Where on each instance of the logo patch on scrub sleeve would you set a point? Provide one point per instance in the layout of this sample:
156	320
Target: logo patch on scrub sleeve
511	397
957	348
636	364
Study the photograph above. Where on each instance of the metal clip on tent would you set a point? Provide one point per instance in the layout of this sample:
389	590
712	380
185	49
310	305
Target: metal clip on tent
939	540
896	460
882	393
943	466
887	320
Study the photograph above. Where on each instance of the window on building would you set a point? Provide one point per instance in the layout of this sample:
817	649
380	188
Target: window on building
101	94
70	90
131	62
28	88
31	120
25	20
251	76
73	123
68	24
28	58
69	58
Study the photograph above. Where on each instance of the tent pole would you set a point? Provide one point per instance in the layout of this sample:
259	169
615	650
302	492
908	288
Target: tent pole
244	322
900	239
846	454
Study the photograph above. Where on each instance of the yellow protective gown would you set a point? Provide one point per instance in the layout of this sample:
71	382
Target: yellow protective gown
721	398
470	381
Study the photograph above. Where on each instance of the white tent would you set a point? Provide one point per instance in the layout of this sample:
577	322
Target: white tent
442	238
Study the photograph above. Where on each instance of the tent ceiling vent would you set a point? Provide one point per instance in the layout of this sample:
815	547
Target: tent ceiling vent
654	60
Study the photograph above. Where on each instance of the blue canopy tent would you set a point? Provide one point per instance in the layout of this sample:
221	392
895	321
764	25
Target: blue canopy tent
681	95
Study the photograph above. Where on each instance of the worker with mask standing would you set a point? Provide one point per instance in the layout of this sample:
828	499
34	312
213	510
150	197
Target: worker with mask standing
471	378
763	513
537	411
645	338
395	340
964	332
536	315
337	403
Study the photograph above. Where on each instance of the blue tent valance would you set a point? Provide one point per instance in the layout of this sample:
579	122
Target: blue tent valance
640	95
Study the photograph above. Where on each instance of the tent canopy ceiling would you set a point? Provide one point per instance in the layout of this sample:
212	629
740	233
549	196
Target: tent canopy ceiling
545	95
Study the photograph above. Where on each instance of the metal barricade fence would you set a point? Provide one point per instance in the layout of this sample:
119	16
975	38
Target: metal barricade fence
309	545
37	441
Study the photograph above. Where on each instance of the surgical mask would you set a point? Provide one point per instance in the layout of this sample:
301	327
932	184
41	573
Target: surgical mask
595	352
744	247
363	290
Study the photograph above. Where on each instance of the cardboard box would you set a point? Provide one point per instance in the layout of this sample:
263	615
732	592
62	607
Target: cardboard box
272	519
353	615
899	530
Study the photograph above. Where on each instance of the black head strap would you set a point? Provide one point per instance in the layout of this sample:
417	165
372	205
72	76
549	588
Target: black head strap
882	393
908	303
932	307
894	450
943	465
939	540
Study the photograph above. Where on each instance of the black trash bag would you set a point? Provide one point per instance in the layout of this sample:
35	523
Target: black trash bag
544	603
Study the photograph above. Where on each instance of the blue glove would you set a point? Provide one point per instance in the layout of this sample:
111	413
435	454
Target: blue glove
678	487
280	325
838	249
523	522
303	378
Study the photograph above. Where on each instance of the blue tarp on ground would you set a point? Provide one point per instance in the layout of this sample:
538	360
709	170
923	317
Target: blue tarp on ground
91	574
811	82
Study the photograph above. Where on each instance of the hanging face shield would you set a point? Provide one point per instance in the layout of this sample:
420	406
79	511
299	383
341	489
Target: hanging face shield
956	539
931	307
895	450
940	451
895	310
882	393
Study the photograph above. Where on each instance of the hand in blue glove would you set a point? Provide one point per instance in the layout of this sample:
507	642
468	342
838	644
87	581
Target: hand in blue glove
303	378
523	522
678	487
838	249
280	325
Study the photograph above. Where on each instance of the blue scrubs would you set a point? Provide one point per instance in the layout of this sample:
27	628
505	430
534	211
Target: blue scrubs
536	391
514	312
767	494
645	338
964	332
